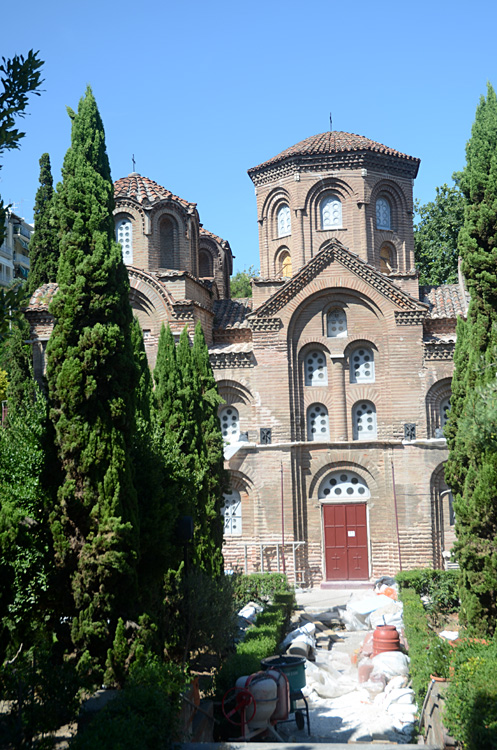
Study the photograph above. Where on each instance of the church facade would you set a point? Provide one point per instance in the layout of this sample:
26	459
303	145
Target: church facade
335	373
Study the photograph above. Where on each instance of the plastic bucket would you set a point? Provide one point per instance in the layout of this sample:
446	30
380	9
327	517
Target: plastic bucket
292	666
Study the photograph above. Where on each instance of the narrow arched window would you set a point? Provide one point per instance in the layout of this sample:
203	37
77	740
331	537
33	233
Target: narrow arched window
444	411
336	323
343	485
331	212
284	221
383	214
231	511
364	421
124	235
318	426
387	262
316	372
205	264
286	264
230	424
362	365
167	242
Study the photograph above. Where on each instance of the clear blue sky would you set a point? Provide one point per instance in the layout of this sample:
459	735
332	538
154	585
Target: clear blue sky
201	91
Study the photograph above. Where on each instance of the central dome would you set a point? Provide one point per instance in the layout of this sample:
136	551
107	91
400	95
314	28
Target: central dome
333	142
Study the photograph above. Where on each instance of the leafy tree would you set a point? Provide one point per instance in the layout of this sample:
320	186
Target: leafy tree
44	244
472	467
436	235
240	285
91	377
25	541
20	76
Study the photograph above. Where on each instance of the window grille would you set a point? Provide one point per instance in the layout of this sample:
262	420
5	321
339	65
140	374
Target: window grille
364	421
383	214
284	221
362	365
318	427
316	372
331	212
409	431
124	235
336	324
265	436
230	424
343	485
231	511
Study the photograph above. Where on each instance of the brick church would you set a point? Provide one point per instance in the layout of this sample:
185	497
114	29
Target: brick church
335	373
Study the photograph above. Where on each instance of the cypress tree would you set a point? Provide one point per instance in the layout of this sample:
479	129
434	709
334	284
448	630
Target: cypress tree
91	377
44	245
471	470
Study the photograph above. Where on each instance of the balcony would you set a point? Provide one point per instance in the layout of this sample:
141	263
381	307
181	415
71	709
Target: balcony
20	229
6	251
20	259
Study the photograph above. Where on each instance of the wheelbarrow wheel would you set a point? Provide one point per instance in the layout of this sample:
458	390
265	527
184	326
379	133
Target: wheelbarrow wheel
299	719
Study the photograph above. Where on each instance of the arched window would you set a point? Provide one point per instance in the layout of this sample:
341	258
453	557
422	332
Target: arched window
318	426
205	264
336	324
284	221
286	264
231	511
383	214
330	209
364	421
316	372
124	235
166	234
230	424
387	262
362	365
444	411
343	485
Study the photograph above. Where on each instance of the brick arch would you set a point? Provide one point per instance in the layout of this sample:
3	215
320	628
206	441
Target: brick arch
124	206
234	392
282	251
438	391
323	187
396	196
367	470
274	199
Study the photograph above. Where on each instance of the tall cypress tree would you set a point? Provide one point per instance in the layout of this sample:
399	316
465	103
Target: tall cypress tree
44	244
471	470
91	377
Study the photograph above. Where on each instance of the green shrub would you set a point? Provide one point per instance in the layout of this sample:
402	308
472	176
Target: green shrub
259	587
471	701
144	715
420	638
441	586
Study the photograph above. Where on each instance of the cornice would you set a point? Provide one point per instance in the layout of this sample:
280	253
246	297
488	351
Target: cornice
330	253
439	350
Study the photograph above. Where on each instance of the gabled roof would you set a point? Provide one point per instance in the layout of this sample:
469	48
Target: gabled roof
335	251
333	142
145	191
231	313
205	233
445	301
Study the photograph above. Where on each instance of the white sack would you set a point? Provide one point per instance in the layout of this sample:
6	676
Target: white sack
391	663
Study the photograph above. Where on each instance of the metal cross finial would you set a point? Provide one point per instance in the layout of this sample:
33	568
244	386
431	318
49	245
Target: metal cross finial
331	123
134	163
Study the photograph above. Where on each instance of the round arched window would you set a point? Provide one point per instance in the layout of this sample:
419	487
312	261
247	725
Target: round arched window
364	421
343	485
362	365
284	221
230	424
331	212
318	428
316	372
124	235
231	511
383	214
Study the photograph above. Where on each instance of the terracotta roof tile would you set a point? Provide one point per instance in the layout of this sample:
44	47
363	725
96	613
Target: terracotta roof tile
231	313
144	191
215	237
42	297
333	142
446	301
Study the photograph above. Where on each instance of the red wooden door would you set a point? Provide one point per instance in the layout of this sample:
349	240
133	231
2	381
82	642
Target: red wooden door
345	542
